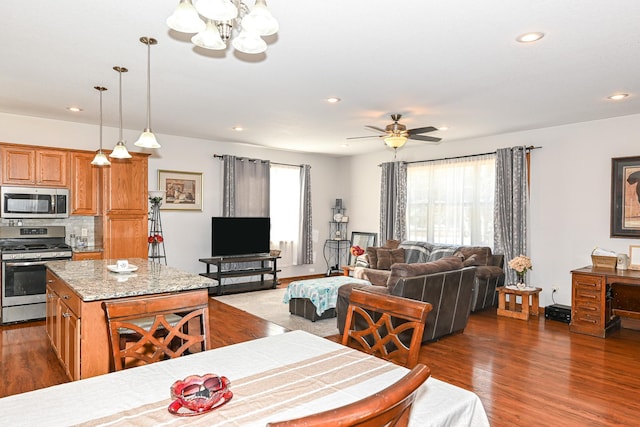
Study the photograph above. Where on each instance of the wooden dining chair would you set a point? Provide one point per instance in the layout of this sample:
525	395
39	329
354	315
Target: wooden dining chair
159	327
388	407
376	334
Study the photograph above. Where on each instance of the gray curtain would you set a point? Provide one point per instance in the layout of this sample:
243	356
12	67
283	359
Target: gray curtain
393	201
245	187
305	252
511	205
245	194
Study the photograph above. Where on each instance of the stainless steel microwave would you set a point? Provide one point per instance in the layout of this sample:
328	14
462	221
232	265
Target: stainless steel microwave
34	202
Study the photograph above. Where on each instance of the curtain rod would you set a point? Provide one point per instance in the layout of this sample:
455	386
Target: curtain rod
218	156
529	148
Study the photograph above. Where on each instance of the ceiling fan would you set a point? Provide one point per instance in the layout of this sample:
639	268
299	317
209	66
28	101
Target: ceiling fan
396	134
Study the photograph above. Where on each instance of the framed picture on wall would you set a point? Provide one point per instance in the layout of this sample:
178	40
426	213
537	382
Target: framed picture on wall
183	190
625	197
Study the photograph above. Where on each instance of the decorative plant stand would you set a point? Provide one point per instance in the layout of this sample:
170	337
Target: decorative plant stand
156	239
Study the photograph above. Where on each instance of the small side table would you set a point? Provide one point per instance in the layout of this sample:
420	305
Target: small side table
347	269
527	308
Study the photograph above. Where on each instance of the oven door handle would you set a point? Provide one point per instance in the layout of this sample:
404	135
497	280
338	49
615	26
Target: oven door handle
24	264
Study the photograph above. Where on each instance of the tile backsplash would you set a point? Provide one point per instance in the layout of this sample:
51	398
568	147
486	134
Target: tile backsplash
73	225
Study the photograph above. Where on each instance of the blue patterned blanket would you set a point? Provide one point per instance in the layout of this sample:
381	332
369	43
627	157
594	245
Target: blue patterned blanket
323	292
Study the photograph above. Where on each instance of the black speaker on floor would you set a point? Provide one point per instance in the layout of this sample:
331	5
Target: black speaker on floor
559	312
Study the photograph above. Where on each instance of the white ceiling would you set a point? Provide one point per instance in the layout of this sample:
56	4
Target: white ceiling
448	63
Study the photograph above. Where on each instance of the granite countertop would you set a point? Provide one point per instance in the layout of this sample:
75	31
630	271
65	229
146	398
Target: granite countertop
88	249
92	281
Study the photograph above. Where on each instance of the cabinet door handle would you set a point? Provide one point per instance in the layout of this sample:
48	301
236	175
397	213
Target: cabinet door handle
588	320
588	296
65	297
66	314
588	308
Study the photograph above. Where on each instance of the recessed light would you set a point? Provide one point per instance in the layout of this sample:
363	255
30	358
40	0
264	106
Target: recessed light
333	100
238	128
443	128
74	109
618	96
529	37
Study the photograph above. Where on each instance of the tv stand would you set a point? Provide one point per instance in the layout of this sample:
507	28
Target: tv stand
268	266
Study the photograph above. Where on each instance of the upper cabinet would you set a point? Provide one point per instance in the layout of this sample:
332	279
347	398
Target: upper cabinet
84	184
35	166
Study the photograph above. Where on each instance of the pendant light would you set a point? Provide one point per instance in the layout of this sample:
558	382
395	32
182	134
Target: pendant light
148	139
100	159
120	150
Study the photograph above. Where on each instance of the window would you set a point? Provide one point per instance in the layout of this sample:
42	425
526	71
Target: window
451	201
285	211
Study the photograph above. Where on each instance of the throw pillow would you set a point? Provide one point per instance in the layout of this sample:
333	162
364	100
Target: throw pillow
388	257
372	255
392	244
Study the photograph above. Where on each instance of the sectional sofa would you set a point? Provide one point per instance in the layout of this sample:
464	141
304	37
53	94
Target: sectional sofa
454	279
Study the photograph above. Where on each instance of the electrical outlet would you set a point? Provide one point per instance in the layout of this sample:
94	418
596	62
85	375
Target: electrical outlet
555	289
83	232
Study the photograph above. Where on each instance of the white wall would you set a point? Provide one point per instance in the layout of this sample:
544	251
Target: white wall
570	191
188	233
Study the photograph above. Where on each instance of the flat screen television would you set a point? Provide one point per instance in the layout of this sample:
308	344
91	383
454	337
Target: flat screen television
237	236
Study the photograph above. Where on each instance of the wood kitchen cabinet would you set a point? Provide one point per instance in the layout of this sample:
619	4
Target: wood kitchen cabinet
23	165
63	324
125	206
86	255
85	184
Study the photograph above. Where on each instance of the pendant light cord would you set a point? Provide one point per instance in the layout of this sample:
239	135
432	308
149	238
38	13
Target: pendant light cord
149	83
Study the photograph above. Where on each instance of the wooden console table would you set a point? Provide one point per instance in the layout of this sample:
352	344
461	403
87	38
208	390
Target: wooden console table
261	271
600	296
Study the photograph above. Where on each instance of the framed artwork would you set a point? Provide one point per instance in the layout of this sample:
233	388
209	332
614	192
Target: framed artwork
625	197
364	240
634	257
183	190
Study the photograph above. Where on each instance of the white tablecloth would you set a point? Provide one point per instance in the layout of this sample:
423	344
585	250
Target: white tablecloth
438	403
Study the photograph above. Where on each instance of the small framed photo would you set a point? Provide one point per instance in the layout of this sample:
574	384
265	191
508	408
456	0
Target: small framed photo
183	190
345	219
634	257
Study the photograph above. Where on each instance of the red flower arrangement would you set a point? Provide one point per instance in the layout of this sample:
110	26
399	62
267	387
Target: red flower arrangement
156	238
356	250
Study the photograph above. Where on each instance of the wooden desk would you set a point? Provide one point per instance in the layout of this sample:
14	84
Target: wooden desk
600	296
528	308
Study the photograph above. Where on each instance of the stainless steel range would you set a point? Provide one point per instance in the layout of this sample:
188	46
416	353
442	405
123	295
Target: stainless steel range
24	252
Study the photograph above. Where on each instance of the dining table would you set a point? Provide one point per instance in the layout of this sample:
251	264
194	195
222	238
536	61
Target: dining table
272	379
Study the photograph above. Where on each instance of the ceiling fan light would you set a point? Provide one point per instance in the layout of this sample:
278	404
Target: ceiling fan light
185	18
218	10
120	151
260	20
209	38
249	42
395	141
147	140
100	159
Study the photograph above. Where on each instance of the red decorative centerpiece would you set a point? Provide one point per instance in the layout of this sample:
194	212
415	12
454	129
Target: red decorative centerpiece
197	394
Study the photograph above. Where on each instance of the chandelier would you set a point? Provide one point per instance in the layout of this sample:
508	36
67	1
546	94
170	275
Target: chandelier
214	22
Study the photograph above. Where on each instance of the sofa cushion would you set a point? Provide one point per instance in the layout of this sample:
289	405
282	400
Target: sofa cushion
388	257
372	256
471	261
483	254
401	270
442	251
375	276
392	244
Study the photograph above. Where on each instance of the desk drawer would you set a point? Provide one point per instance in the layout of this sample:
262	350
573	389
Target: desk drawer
588	283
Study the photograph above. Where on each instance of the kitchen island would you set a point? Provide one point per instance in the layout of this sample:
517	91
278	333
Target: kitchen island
76	323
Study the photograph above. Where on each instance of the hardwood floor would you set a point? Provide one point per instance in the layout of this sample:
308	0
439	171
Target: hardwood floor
525	373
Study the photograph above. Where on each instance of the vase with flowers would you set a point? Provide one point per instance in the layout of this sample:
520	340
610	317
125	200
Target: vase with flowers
521	264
